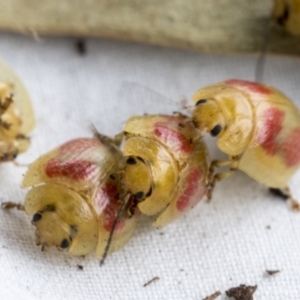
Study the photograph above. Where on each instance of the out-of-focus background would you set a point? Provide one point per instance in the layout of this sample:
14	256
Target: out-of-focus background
233	240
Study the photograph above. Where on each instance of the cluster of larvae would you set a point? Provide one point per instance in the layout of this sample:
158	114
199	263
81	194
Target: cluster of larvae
88	194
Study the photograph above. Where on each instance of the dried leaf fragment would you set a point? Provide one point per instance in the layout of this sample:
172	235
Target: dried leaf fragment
242	292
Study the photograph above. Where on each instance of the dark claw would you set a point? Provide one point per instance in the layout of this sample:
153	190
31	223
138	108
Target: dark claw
279	193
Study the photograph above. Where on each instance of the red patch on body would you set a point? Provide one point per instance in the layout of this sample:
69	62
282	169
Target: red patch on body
291	148
273	119
252	86
78	170
174	139
193	184
110	200
79	145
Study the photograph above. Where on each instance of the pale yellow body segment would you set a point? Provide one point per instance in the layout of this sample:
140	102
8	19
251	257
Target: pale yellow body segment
277	165
198	162
23	107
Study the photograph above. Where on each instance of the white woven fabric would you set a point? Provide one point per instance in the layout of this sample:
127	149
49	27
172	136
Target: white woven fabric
230	241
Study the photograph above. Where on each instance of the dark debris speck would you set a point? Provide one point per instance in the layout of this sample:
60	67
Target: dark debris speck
272	272
79	267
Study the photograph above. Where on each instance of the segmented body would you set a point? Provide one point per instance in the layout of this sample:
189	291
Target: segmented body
259	124
16	115
175	159
76	181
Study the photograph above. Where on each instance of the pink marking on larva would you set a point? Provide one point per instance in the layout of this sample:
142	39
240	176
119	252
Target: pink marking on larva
193	184
172	138
110	196
251	86
78	170
273	119
291	148
78	145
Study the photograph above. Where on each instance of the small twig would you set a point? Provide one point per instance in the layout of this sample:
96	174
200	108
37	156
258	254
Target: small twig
113	230
260	64
213	296
152	280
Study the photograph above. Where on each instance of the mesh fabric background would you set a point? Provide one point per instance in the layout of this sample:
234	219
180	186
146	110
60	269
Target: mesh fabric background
232	240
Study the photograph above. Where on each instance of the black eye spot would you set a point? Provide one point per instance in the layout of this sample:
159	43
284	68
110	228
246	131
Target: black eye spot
36	217
64	244
139	195
216	130
131	161
200	101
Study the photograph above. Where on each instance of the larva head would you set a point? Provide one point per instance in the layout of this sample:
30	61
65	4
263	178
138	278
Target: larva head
151	179
225	111
208	117
62	219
